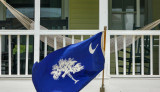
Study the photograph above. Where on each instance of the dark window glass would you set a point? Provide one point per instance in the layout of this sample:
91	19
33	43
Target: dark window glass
52	14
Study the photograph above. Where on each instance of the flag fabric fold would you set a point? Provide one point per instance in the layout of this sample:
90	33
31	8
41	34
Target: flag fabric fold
71	68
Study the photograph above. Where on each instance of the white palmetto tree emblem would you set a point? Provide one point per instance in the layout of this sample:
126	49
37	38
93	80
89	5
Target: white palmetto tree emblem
66	67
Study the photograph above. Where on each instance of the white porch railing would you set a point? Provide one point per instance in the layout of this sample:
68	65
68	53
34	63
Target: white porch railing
135	33
82	33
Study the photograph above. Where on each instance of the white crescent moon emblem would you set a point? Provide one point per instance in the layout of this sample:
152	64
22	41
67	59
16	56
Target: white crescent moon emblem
92	50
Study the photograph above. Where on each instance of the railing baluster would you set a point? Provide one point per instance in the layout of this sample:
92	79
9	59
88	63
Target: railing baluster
55	43
151	55
133	55
64	41
0	53
18	54
72	39
45	46
9	54
142	55
159	54
81	37
27	48
124	55
116	55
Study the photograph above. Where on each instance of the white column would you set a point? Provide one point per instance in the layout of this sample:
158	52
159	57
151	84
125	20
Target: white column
103	14
107	55
36	30
103	21
107	63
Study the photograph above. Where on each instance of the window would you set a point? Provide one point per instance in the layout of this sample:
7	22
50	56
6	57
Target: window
52	12
123	14
8	20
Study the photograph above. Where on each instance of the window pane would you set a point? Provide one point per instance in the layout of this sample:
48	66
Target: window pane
52	16
8	20
124	14
70	14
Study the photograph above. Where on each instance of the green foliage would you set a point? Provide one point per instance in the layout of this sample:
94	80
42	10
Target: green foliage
22	49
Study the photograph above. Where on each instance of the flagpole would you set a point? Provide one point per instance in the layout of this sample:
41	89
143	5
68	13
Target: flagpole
102	89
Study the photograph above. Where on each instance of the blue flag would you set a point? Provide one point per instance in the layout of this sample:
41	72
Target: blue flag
71	68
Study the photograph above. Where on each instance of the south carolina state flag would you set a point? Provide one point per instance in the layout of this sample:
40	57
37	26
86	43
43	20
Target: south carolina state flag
71	68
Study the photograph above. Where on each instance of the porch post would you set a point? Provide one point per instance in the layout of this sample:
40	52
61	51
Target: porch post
103	21
103	14
36	31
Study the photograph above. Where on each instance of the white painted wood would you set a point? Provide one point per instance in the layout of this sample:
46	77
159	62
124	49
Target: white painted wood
79	32
133	55
107	63
103	14
45	46
18	54
70	32
9	53
151	55
81	37
107	56
27	54
37	4
142	55
16	32
36	47
0	53
72	39
109	33
124	55
133	32
64	41
36	30
116	55
55	43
